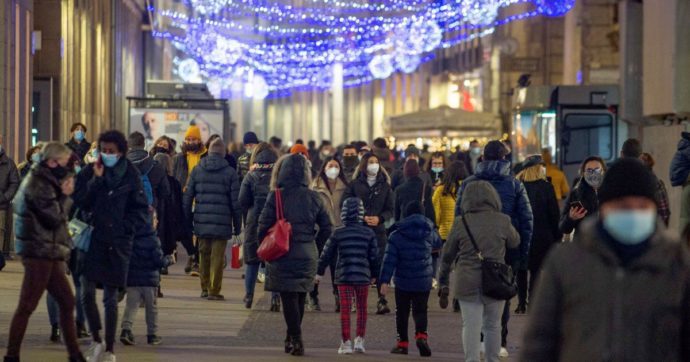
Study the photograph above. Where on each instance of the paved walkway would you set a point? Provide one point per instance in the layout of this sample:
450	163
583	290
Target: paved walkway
194	329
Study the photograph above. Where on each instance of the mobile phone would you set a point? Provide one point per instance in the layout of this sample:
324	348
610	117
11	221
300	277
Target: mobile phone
576	204
99	160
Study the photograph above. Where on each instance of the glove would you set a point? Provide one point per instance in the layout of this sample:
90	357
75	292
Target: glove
317	279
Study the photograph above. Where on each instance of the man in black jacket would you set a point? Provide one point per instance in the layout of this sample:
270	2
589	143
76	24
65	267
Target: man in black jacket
9	183
147	166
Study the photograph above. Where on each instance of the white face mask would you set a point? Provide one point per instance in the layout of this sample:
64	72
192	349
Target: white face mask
373	169
332	173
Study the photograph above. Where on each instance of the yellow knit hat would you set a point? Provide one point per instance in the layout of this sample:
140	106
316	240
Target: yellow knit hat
193	132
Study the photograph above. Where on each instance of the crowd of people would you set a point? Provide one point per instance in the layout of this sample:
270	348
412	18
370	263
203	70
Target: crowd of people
111	213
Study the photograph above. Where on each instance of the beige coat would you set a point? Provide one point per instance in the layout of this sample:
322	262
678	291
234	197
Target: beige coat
331	200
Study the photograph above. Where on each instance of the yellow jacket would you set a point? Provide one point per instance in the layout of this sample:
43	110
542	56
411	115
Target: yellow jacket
558	180
444	207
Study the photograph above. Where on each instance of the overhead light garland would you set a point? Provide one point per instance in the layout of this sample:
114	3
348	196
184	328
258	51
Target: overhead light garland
273	47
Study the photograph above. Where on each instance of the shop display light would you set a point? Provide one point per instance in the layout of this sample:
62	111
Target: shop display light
276	47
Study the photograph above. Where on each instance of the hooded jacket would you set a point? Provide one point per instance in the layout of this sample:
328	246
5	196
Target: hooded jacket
213	189
41	216
146	261
354	246
255	188
155	171
304	210
9	180
492	231
589	306
514	201
408	254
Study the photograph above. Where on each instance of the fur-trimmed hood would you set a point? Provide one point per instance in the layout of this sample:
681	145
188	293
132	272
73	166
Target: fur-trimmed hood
291	171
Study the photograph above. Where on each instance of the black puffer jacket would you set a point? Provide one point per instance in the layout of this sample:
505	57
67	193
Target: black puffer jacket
40	217
118	207
305	211
171	221
546	233
585	194
354	246
155	171
147	260
411	190
253	193
213	189
378	201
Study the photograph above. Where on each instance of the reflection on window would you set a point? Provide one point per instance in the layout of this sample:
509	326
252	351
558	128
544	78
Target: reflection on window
588	135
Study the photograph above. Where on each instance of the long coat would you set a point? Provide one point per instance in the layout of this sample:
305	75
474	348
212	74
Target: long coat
117	207
304	210
542	198
411	190
378	201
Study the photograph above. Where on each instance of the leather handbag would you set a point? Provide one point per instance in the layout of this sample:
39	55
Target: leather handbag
498	281
277	242
80	232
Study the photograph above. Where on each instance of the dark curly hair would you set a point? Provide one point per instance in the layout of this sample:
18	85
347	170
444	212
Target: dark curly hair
116	137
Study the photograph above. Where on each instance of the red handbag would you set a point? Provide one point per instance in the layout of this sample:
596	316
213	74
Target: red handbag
235	259
277	241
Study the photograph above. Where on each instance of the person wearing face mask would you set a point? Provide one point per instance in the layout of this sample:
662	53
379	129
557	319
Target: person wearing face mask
41	209
435	169
583	200
326	150
33	156
472	157
112	193
398	177
350	161
330	184
78	143
250	141
542	198
371	183
621	287
162	145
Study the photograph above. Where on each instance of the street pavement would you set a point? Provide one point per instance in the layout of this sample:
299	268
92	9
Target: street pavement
194	329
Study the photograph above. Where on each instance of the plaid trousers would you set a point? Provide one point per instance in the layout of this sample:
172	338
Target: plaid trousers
347	293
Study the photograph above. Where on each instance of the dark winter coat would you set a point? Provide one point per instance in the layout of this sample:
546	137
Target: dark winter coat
80	148
398	178
378	201
213	189
411	190
41	216
585	194
493	232
408	254
23	169
589	306
514	201
172	226
156	172
304	210
243	165
356	249
9	180
253	194
117	207
542	198
680	164
146	261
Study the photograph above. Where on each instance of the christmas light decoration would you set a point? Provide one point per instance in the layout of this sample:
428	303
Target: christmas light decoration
269	46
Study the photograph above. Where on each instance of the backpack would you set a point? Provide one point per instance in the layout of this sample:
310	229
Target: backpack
148	187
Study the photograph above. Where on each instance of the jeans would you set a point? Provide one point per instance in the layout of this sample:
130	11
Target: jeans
251	273
53	309
110	294
211	260
40	275
404	301
483	315
134	296
293	311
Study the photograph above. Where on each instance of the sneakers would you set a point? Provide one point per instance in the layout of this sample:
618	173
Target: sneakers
345	347
95	352
153	339
216	297
81	331
423	344
195	270
443	297
248	300
382	307
504	353
108	357
127	338
401	348
204	294
359	345
261	278
55	334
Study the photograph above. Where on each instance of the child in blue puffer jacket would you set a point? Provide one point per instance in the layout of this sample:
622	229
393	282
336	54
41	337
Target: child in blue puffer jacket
142	282
408	258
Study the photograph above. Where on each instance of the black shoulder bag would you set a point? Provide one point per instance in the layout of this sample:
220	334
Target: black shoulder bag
498	281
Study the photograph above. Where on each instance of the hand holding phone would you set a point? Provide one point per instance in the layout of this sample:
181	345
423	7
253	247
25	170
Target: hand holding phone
577	211
98	168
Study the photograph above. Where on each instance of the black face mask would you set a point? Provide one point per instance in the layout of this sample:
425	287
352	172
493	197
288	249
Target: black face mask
158	150
350	161
192	147
59	172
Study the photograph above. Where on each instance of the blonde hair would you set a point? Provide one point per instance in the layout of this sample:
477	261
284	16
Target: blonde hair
54	151
531	174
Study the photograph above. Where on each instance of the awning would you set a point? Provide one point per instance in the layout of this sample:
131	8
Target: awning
444	121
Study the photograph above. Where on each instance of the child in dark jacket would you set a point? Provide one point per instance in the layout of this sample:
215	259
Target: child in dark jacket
408	258
142	283
356	248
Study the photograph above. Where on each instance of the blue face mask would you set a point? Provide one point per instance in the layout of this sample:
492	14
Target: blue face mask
36	158
437	169
77	169
79	136
630	227
109	159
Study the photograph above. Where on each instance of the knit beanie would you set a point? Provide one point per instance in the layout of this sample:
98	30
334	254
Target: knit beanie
628	177
411	168
414	207
352	211
411	150
250	138
495	150
193	132
300	149
217	147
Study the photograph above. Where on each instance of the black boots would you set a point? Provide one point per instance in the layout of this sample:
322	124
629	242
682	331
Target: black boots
297	346
275	304
443	297
55	334
248	300
382	307
456	306
401	348
521	308
288	344
423	344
